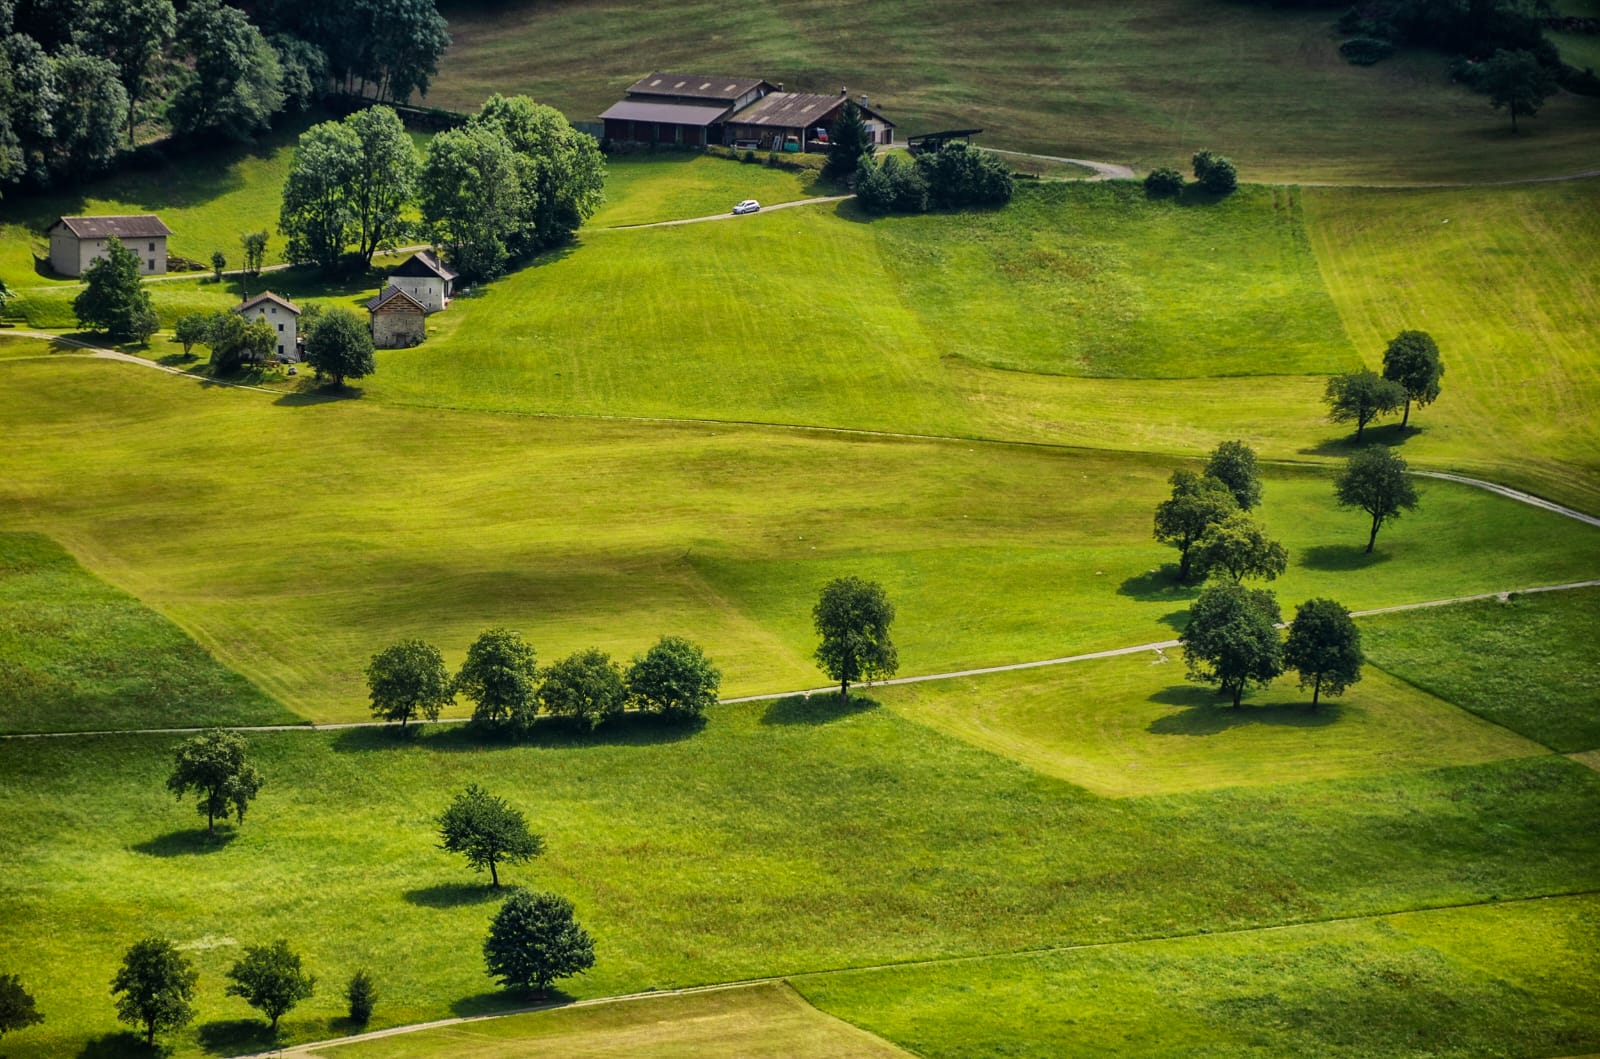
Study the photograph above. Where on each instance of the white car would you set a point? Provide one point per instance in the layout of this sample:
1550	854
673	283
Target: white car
747	206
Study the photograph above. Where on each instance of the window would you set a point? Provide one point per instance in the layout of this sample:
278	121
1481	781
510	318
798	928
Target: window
274	310
152	264
280	328
152	246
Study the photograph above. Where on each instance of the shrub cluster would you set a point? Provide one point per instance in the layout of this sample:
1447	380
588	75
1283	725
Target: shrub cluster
1212	172
954	177
1366	51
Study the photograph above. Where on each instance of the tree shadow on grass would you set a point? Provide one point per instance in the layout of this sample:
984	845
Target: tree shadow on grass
816	709
631	729
1158	586
187	842
1389	434
455	895
1208	713
119	1045
233	1036
507	1001
1340	557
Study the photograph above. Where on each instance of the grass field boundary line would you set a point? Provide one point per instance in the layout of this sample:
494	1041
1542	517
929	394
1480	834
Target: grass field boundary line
771	696
301	1050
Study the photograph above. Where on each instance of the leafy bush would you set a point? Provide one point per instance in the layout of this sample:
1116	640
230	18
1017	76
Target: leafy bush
748	156
1215	173
1365	51
957	176
1163	183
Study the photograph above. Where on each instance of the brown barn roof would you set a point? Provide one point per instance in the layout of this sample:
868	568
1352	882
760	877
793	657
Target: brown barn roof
672	113
381	303
141	226
424	263
797	110
267	296
695	86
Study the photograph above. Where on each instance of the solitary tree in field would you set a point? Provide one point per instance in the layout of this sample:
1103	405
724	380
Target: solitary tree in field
1233	463
853	617
406	679
362	996
487	830
219	261
499	677
17	1010
1197	503
674	679
1412	360
1375	481
1324	646
1239	548
585	687
213	765
339	344
270	979
1232	638
1518	82
113	299
156	983
535	939
1360	397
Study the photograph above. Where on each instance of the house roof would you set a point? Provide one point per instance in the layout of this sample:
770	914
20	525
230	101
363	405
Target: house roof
797	110
671	113
140	226
424	263
389	294
695	86
267	296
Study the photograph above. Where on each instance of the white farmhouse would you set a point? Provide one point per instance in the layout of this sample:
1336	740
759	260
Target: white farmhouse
282	314
425	278
75	242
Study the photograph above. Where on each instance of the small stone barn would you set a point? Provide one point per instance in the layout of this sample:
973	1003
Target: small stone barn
76	242
398	319
425	278
282	314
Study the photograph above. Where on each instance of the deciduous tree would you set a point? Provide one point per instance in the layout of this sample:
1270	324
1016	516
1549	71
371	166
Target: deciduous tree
1324	646
17	1009
156	983
1197	503
113	299
499	675
90	111
586	688
535	939
133	34
316	215
192	329
406	679
255	251
384	180
235	341
852	618
1233	463
1361	396
1215	173
560	170
1238	547
471	197
487	830
234	85
1375	481
674	679
339	344
1232	638
1412	361
213	766
1516	81
270	979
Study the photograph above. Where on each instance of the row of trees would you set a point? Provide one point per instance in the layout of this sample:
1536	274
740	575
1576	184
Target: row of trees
502	678
1412	373
515	180
79	76
155	985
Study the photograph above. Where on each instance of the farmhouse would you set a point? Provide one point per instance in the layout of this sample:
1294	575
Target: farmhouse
282	314
426	279
693	110
398	319
76	242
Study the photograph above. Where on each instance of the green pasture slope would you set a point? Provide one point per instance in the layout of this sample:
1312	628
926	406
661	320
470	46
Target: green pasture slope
1145	84
294	538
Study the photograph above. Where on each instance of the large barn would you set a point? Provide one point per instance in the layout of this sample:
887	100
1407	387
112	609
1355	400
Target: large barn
694	110
77	242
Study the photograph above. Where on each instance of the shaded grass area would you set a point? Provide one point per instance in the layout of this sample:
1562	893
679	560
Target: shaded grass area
1509	980
294	538
745	849
80	655
755	1021
1147	83
1131	725
670	185
1504	281
1528	663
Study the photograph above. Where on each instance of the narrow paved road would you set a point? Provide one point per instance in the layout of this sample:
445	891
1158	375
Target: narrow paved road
728	216
1101	170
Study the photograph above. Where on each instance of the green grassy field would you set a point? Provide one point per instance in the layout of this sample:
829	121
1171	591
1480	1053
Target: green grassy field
755	1021
860	838
1146	84
643	188
80	655
294	539
1510	980
1525	664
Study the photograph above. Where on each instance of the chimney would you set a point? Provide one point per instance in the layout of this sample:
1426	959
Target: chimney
863	99
780	86
843	93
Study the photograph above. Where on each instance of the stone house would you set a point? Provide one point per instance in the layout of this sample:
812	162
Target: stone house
426	279
76	242
398	319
